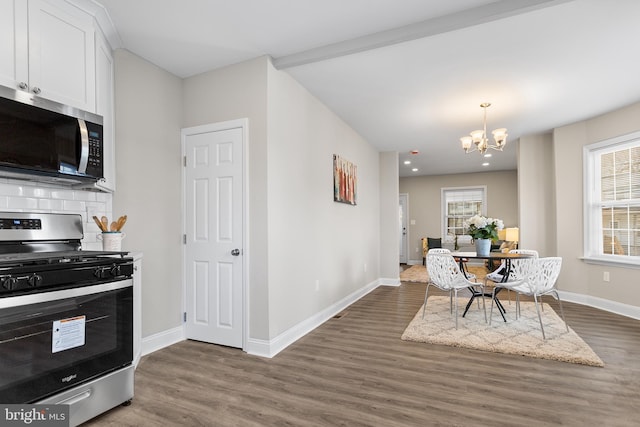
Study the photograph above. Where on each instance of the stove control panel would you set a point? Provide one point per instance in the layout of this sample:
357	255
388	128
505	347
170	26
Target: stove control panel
106	272
32	227
20	224
10	283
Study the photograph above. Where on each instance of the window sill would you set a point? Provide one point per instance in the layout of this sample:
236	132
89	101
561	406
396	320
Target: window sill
626	262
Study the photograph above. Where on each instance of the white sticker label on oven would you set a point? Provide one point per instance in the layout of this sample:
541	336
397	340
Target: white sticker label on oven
68	333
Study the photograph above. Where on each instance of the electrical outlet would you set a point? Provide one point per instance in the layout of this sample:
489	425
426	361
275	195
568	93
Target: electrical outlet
365	267
317	285
605	276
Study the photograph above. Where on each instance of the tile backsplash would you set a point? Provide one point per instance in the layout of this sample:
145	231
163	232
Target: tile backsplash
27	196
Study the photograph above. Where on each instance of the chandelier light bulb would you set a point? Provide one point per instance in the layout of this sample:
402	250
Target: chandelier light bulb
479	137
500	136
466	143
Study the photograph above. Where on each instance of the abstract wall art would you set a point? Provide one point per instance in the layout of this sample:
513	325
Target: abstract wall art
345	180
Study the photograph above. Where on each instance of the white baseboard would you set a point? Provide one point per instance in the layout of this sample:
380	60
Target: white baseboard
162	339
272	347
389	281
601	303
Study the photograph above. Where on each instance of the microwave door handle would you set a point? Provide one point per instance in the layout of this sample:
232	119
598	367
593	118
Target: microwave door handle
84	147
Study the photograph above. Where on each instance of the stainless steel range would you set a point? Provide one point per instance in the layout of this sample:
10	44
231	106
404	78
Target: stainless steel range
66	317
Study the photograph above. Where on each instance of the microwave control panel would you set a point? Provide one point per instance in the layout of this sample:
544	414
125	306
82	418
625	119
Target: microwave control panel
95	149
94	161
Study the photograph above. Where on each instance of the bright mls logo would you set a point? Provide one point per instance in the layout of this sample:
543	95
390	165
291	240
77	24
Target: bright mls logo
34	415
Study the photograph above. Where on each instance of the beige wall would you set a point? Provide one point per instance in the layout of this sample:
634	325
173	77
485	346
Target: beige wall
148	106
319	251
425	202
389	196
536	190
578	276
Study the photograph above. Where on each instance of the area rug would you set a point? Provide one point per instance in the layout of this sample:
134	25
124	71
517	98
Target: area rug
415	273
418	273
520	337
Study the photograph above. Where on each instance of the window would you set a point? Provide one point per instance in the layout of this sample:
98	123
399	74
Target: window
460	204
612	200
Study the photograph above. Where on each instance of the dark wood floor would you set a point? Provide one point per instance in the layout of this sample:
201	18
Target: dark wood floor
355	371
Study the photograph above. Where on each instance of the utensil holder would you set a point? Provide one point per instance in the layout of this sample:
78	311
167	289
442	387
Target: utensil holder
111	240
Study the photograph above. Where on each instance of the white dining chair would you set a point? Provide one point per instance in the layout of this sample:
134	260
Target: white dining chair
539	278
444	273
515	273
468	275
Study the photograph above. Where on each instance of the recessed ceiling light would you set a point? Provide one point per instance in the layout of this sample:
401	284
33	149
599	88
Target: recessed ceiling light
415	169
407	162
485	164
488	155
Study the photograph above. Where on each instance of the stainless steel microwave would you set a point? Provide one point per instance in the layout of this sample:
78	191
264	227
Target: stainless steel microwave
41	140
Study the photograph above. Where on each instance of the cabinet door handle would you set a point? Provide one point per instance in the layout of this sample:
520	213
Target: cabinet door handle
22	85
235	252
36	90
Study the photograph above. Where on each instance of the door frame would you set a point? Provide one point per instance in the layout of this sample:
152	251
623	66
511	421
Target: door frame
215	127
405	196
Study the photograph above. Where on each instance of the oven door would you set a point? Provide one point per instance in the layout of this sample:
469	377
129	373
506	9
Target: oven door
52	341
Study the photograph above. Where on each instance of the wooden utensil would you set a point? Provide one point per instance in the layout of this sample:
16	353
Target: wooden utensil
97	221
121	222
113	226
105	223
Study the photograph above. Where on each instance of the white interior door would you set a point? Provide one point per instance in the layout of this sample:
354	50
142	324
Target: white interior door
214	234
402	217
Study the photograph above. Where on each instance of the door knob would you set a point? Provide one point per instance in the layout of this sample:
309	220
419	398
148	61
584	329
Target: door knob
235	252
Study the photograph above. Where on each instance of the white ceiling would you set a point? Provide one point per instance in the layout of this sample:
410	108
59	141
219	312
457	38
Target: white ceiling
541	63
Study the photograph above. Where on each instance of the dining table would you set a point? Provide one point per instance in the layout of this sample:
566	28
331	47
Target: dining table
507	257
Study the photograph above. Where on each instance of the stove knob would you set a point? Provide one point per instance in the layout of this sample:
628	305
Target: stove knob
9	283
101	272
34	280
115	270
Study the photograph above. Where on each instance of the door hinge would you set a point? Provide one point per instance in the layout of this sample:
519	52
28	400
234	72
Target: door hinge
184	239
184	161
184	317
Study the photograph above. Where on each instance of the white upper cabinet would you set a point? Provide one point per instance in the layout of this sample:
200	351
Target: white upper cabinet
48	50
61	54
13	45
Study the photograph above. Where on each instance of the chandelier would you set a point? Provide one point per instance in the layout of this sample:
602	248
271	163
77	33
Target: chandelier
479	137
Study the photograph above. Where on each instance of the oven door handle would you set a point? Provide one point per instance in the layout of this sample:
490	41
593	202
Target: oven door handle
16	301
